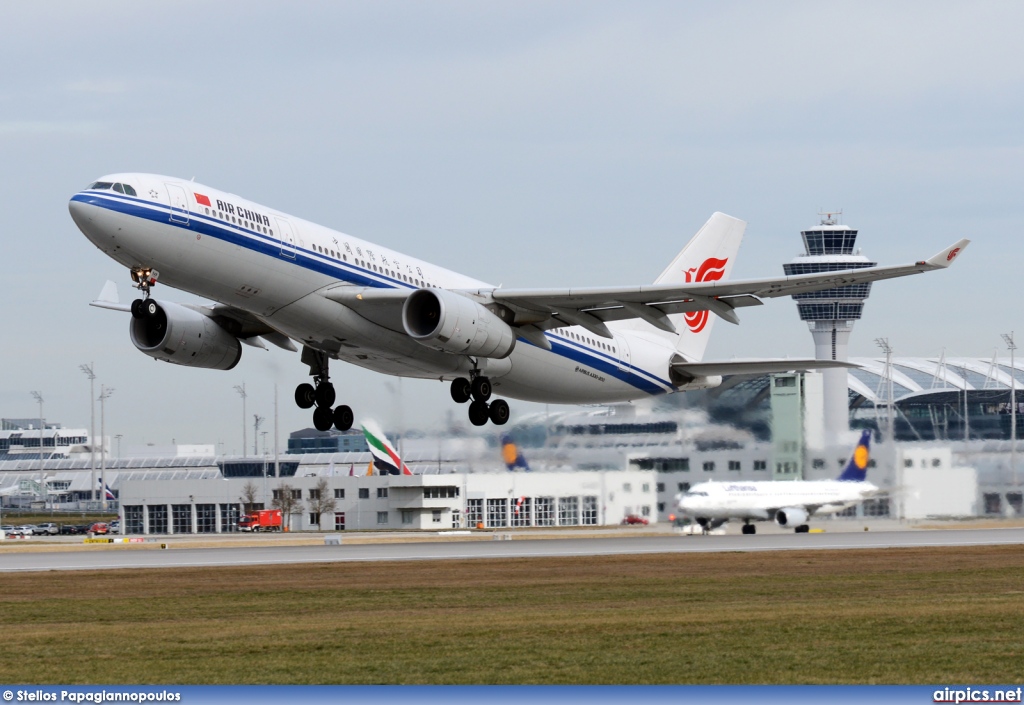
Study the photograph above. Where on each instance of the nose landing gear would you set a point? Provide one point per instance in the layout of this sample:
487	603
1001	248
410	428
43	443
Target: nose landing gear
144	279
322	395
478	388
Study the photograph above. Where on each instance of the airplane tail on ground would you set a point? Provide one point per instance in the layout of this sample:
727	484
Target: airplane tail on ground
385	457
708	257
857	469
511	454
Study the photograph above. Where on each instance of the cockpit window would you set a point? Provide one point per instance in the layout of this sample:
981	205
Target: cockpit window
118	188
128	190
100	186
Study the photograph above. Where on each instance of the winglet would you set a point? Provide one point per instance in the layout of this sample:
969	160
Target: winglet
945	258
108	298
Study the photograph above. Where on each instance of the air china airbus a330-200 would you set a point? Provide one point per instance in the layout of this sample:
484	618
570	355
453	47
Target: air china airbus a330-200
278	279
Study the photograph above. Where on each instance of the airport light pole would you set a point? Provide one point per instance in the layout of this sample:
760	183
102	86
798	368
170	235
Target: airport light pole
105	393
87	369
1008	338
890	423
257	421
119	437
241	393
42	479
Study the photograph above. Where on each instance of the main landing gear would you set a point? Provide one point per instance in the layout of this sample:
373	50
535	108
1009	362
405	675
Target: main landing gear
749	528
322	395
478	388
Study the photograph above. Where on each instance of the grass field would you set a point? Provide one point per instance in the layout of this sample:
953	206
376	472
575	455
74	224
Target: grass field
943	615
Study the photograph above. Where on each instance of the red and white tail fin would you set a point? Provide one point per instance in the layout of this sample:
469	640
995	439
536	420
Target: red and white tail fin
708	257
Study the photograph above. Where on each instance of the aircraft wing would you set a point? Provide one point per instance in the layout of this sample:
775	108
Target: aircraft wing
552	308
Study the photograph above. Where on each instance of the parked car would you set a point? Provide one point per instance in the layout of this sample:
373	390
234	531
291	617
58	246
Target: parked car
115	526
48	529
6	529
634	519
70	529
24	530
100	527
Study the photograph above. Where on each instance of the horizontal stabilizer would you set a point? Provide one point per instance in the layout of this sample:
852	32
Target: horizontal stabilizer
108	298
753	367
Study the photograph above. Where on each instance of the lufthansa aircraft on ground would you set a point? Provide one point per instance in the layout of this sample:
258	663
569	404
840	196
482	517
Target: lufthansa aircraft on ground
711	504
276	278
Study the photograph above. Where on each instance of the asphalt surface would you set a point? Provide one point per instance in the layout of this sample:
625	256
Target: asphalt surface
115	557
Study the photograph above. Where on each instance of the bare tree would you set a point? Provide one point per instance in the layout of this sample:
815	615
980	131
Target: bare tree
249	494
321	500
287	499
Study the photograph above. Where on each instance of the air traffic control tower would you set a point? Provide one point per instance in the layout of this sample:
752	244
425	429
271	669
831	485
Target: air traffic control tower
830	314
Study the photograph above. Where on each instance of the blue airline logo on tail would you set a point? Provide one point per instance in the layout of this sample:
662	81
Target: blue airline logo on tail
857	469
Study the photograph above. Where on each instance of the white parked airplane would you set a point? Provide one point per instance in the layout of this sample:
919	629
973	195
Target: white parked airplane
279	279
711	504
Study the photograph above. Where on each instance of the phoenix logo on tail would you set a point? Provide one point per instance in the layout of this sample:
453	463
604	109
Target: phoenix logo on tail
711	270
385	457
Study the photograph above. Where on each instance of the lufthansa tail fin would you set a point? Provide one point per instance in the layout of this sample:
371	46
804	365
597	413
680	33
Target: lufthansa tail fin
708	257
857	469
512	456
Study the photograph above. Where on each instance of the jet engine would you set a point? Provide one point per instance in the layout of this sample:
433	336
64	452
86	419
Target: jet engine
447	321
173	333
791	516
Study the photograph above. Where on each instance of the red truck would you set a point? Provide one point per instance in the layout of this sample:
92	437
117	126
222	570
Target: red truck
261	520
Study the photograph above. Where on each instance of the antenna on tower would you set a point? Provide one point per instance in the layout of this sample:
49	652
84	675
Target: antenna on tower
829	217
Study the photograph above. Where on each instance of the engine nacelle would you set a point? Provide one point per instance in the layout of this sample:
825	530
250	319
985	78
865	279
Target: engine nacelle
174	333
447	321
791	516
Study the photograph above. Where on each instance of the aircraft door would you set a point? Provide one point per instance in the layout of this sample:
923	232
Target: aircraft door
622	357
286	234
179	203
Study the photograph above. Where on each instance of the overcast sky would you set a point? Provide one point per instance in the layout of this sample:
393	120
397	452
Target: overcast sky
524	143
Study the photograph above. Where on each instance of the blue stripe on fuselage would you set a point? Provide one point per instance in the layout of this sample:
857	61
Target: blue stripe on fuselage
347	272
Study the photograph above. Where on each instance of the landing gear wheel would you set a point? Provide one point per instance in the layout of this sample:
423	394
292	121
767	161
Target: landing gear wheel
150	308
343	418
749	529
325	395
802	529
478	413
305	396
323	418
137	306
481	388
461	390
499	412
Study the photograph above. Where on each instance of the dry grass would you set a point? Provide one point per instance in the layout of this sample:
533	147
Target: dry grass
886	616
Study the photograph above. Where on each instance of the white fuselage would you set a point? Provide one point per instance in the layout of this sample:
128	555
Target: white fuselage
276	267
759	500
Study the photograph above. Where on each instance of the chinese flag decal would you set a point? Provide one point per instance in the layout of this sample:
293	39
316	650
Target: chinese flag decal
202	200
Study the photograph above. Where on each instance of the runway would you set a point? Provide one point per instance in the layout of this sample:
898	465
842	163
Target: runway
117	558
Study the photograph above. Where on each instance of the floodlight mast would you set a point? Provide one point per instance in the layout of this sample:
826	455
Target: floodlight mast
87	369
42	479
1008	339
241	393
105	393
890	423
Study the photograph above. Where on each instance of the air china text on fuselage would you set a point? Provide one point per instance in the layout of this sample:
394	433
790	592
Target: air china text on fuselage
277	278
